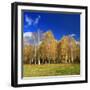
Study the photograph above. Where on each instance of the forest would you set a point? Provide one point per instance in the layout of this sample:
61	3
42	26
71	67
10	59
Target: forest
43	48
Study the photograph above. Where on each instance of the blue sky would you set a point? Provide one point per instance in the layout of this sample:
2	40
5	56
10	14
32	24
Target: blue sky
59	23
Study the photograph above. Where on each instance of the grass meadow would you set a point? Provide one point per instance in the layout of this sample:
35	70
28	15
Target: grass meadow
50	70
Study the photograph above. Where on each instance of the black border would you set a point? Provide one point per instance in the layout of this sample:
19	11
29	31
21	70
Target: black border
14	42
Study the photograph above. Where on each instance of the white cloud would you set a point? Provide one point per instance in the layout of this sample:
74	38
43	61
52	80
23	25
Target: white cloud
27	34
28	39
28	20
37	20
72	35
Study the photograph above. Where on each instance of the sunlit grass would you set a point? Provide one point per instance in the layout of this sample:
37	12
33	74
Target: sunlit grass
50	70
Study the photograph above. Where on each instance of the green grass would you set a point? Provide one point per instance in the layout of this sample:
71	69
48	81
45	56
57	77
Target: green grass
50	70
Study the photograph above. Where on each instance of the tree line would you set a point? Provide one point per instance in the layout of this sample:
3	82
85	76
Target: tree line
51	51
